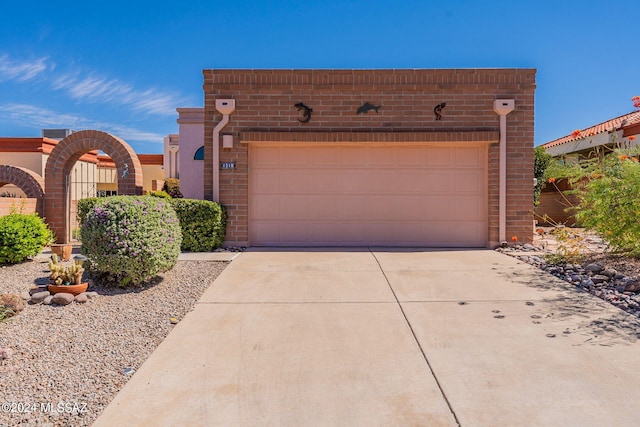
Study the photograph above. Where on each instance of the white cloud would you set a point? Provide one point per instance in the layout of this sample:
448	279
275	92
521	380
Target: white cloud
97	89
21	71
38	117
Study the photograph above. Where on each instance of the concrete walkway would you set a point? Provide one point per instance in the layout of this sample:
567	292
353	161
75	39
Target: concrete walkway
388	338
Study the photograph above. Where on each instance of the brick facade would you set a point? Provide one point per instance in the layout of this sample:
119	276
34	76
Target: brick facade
61	161
265	111
28	181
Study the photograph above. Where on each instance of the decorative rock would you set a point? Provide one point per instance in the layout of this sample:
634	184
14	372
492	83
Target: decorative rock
48	300
609	272
599	278
81	298
39	297
594	268
5	353
62	298
91	295
632	286
37	288
13	302
25	295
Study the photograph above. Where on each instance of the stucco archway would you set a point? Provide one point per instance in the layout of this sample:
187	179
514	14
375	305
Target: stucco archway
60	164
27	180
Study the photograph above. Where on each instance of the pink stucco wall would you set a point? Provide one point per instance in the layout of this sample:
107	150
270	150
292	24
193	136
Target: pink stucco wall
191	130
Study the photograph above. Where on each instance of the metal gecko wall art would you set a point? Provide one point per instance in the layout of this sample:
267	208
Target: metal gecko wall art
304	112
438	109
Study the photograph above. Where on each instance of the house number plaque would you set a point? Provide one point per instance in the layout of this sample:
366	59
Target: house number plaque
227	165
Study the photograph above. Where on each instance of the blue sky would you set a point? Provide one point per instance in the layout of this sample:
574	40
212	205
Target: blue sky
124	66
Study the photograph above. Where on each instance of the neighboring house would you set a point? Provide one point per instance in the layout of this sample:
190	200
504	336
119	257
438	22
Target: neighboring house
605	135
594	141
33	153
93	175
370	157
184	153
152	174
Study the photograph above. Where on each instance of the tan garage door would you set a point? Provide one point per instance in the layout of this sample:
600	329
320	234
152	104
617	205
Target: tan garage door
344	195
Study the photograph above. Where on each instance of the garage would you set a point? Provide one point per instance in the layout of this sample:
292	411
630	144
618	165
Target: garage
364	194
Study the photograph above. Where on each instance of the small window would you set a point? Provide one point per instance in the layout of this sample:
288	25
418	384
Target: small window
199	154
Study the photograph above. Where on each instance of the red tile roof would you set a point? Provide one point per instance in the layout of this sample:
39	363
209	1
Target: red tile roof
617	123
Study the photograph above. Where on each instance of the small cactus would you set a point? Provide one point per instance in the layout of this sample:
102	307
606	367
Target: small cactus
65	275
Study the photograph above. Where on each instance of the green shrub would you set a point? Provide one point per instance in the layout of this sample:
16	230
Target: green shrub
22	236
203	224
541	162
84	206
172	187
610	204
130	239
159	193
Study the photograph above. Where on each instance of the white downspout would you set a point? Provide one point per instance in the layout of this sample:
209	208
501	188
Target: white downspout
502	107
224	107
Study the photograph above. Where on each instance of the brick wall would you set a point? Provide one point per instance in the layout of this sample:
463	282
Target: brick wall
265	104
554	203
20	205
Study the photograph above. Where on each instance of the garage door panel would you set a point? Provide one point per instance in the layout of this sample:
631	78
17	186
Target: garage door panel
467	156
326	195
412	156
439	156
469	182
381	156
321	156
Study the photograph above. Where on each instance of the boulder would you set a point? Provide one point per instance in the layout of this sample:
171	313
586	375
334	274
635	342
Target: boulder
48	300
599	278
13	302
633	286
39	297
594	268
91	295
81	298
63	298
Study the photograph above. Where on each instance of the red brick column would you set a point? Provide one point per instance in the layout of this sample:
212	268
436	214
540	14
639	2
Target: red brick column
61	161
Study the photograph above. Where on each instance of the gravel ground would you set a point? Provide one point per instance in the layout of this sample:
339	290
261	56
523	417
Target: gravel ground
68	362
613	278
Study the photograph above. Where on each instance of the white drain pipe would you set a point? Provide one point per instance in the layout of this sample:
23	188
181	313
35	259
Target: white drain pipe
502	107
224	107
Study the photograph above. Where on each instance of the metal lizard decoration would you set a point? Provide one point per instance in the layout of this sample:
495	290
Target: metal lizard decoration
305	112
438	109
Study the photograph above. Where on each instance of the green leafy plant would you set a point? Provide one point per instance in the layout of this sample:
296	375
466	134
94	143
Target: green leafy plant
203	224
22	236
159	193
130	239
541	162
571	246
84	206
5	313
610	204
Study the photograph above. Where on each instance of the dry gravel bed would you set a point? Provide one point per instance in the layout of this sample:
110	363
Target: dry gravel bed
68	362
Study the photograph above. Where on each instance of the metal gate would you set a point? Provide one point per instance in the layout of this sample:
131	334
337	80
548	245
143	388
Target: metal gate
87	180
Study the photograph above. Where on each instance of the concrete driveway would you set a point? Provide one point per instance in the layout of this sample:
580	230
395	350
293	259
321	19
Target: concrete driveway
390	338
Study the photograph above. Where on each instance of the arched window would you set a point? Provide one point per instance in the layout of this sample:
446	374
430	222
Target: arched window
199	154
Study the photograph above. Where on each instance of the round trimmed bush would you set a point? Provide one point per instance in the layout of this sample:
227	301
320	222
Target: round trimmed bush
130	239
22	236
202	223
